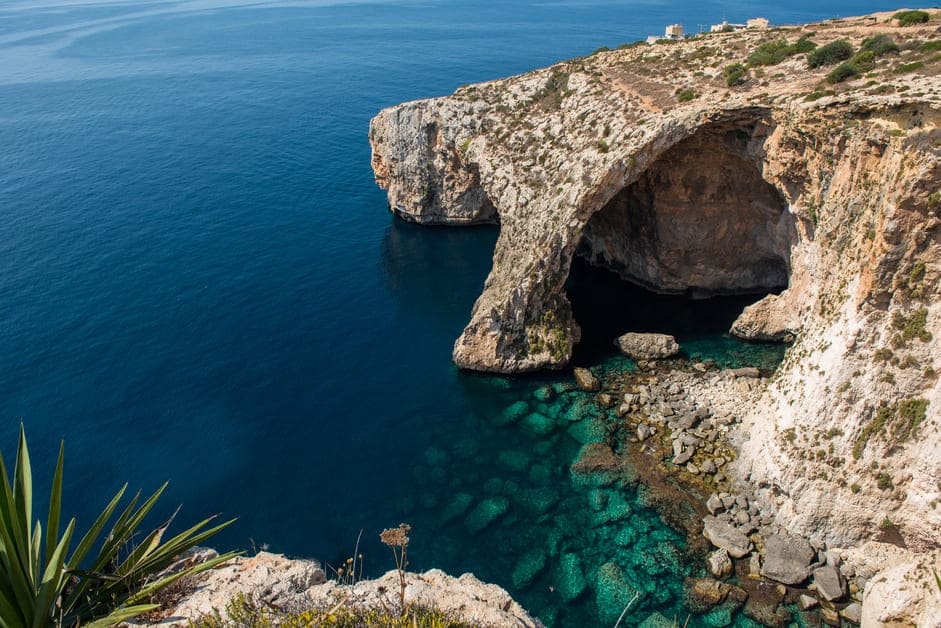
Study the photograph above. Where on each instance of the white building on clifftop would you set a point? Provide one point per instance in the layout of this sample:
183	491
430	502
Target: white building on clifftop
672	32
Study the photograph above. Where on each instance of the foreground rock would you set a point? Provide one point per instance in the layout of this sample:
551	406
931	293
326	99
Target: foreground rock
294	585
647	346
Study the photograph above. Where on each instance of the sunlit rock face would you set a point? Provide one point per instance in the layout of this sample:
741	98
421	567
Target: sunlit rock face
646	161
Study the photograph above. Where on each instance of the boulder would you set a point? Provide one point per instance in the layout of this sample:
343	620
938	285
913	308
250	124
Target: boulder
586	380
704	593
485	513
719	563
726	537
595	458
647	346
746	371
852	613
657	620
787	559
764	603
528	567
714	504
613	593
829	583
807	602
570	579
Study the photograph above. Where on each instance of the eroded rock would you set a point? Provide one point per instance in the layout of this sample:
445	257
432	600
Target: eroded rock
647	346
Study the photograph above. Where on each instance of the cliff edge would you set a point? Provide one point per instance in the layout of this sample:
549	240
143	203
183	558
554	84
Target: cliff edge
701	166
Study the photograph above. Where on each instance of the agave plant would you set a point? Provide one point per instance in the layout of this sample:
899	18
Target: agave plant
42	584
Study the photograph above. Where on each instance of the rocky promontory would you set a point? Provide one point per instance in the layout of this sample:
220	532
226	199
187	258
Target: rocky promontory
726	163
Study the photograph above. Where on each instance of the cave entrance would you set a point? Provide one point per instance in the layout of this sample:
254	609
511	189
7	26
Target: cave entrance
683	249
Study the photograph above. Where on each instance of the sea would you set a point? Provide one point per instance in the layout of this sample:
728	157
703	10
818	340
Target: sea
201	283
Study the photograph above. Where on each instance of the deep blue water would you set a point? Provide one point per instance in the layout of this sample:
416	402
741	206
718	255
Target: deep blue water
199	280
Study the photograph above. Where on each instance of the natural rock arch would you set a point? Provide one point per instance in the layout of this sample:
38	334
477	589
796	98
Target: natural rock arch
701	220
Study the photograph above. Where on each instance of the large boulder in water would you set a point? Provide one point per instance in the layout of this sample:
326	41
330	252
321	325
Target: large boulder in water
570	579
596	458
586	380
613	593
647	346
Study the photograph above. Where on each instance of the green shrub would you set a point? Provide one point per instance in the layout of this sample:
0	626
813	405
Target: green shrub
884	481
842	72
910	18
830	54
880	45
774	52
735	74
931	46
905	68
769	53
42	584
686	95
802	46
864	60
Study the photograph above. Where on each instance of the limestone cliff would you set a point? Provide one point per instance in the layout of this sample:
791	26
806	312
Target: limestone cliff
660	163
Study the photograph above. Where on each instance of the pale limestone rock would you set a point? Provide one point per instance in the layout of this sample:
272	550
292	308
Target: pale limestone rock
586	380
787	559
726	537
293	584
647	346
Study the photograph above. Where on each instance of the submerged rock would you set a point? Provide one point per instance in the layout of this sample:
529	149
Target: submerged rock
657	620
613	593
764	603
596	458
485	513
570	579
538	423
586	380
647	346
704	593
528	567
513	413
456	507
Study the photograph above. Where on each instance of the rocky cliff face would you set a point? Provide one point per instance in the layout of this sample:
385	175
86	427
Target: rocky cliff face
644	160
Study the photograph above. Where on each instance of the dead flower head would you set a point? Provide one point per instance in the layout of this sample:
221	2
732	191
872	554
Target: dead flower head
396	537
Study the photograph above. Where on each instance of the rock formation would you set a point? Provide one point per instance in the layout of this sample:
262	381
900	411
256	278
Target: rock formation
293	585
646	161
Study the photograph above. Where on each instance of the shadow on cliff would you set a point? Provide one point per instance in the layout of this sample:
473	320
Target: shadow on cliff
607	306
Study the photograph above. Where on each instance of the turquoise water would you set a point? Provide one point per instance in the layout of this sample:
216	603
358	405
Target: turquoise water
200	282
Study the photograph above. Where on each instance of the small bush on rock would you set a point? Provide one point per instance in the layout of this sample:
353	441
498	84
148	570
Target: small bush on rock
735	74
911	18
842	72
831	54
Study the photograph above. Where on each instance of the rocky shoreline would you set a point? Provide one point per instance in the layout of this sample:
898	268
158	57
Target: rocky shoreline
684	418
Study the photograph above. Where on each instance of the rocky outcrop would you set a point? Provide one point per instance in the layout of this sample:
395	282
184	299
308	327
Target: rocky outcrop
826	196
647	346
293	585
